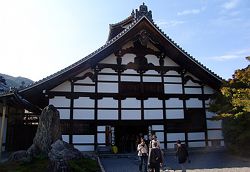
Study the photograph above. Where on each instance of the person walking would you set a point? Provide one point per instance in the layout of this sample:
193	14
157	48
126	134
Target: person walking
155	158
182	155
143	155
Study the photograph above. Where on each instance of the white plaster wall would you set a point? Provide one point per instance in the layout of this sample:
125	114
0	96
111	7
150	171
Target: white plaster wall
100	137
207	102
59	102
153	103
108	77
194	77
130	71
210	114
107	70
172	79
196	136
127	58
101	128
85	147
108	87
83	138
107	114
193	91
130	78
169	62
173	88
65	138
151	79
172	72
191	83
174	103
170	145
66	86
87	80
174	113
160	136
131	114
131	103
193	103
84	102
152	59
215	134
152	72
111	59
64	113
197	144
83	88
153	114
107	103
157	127
208	90
84	114
175	136
213	124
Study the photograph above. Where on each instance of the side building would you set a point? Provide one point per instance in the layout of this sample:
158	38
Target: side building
140	82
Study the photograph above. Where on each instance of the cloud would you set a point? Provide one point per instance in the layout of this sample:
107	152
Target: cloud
171	23
192	11
238	54
230	4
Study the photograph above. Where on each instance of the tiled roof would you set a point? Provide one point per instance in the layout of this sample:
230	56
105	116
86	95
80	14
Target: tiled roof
108	43
112	41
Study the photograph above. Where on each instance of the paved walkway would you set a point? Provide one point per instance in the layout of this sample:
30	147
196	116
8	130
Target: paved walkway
200	161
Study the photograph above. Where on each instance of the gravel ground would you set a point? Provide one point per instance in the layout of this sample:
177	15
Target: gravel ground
216	161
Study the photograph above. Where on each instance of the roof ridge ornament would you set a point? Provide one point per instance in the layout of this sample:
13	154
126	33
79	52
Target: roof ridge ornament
143	11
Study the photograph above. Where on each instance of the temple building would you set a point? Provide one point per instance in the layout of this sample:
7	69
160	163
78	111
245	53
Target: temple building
138	83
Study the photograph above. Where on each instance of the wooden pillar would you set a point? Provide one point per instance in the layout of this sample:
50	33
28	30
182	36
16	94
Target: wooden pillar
2	128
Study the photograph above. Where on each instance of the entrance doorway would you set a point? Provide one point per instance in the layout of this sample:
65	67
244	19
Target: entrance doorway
128	136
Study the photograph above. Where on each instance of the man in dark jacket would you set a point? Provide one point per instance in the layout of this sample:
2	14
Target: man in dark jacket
182	155
155	158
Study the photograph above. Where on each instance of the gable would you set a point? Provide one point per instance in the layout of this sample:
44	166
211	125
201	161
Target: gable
158	43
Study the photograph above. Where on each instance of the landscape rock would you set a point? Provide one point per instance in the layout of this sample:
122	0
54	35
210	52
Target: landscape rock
20	156
48	130
60	154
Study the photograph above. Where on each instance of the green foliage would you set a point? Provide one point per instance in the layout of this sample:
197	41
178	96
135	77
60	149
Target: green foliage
84	165
40	164
232	105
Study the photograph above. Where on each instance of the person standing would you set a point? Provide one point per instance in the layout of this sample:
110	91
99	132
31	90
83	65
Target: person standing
182	155
155	158
143	155
154	140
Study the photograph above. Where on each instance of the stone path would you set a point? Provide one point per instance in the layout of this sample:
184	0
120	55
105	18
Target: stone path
200	162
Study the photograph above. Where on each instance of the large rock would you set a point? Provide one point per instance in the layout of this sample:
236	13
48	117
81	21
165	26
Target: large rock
20	156
59	155
48	131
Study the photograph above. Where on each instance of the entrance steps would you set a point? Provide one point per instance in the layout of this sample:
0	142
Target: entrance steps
119	155
104	150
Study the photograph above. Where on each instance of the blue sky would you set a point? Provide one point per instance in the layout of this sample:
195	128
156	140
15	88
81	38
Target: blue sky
39	38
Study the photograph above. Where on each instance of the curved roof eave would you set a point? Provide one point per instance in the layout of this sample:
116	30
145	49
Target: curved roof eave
83	60
112	42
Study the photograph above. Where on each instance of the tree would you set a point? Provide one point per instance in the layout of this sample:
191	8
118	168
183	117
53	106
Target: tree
232	105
